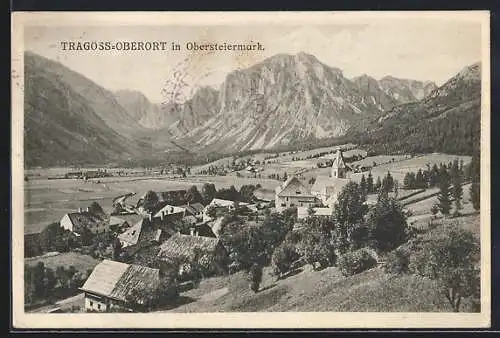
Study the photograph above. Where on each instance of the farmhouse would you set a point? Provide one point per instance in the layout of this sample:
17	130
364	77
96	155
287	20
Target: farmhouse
147	230
94	220
117	223
170	212
293	194
183	247
115	285
194	209
221	203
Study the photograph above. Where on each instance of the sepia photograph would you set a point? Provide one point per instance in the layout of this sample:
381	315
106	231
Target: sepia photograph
249	169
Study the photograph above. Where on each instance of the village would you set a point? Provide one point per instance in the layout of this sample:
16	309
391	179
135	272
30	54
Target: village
150	249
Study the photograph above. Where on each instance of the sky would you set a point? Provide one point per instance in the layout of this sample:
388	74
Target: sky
430	49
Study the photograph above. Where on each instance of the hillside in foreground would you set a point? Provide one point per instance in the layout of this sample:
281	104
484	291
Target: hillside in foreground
325	290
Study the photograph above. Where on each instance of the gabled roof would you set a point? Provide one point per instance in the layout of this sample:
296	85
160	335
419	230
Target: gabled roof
225	203
117	280
193	208
142	231
328	185
338	162
83	219
113	220
182	246
169	210
290	188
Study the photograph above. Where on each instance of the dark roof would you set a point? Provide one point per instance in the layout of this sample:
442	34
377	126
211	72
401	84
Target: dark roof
194	208
142	231
84	219
182	246
117	280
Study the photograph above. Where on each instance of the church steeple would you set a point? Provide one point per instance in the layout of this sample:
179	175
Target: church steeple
338	167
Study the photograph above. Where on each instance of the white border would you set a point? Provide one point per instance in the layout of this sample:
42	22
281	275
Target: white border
237	319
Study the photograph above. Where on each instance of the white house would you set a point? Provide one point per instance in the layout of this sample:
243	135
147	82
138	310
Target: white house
221	203
77	221
292	193
112	284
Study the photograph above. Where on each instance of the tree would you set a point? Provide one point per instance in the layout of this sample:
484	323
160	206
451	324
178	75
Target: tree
386	224
283	257
208	192
348	210
419	180
456	191
117	249
150	201
453	261
363	185
369	183
377	185
255	276
285	176
475	195
193	195
317	243
444	196
388	182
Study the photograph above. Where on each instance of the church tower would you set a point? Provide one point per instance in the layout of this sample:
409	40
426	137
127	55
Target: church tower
339	168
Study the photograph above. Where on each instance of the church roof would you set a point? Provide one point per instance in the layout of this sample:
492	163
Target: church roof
338	162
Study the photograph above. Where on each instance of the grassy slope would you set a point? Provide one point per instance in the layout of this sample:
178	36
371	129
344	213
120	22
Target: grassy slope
80	262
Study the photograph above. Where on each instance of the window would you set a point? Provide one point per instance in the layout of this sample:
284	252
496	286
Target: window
292	204
98	306
283	204
91	303
298	192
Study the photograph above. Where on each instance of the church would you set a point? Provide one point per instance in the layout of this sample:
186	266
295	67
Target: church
327	188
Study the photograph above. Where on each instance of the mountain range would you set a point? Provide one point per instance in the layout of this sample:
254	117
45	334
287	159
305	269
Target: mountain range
280	101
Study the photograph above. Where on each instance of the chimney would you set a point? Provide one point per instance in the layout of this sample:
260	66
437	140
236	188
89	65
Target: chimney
150	216
191	231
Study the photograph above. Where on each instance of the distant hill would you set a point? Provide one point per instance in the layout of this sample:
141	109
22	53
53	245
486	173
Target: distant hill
68	119
445	120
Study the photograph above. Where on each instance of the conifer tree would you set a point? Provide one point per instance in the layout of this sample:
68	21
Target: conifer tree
369	183
457	191
444	197
363	185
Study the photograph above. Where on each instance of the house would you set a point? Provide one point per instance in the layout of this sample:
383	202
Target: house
95	221
117	223
183	247
145	231
194	209
114	285
292	193
170	212
221	203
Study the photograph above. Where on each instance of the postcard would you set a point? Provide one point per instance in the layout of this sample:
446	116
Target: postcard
251	170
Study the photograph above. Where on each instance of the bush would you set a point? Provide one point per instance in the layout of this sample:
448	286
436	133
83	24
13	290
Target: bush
283	257
354	262
397	261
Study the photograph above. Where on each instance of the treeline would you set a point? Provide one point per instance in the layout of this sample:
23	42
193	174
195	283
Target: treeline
205	196
45	284
431	176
